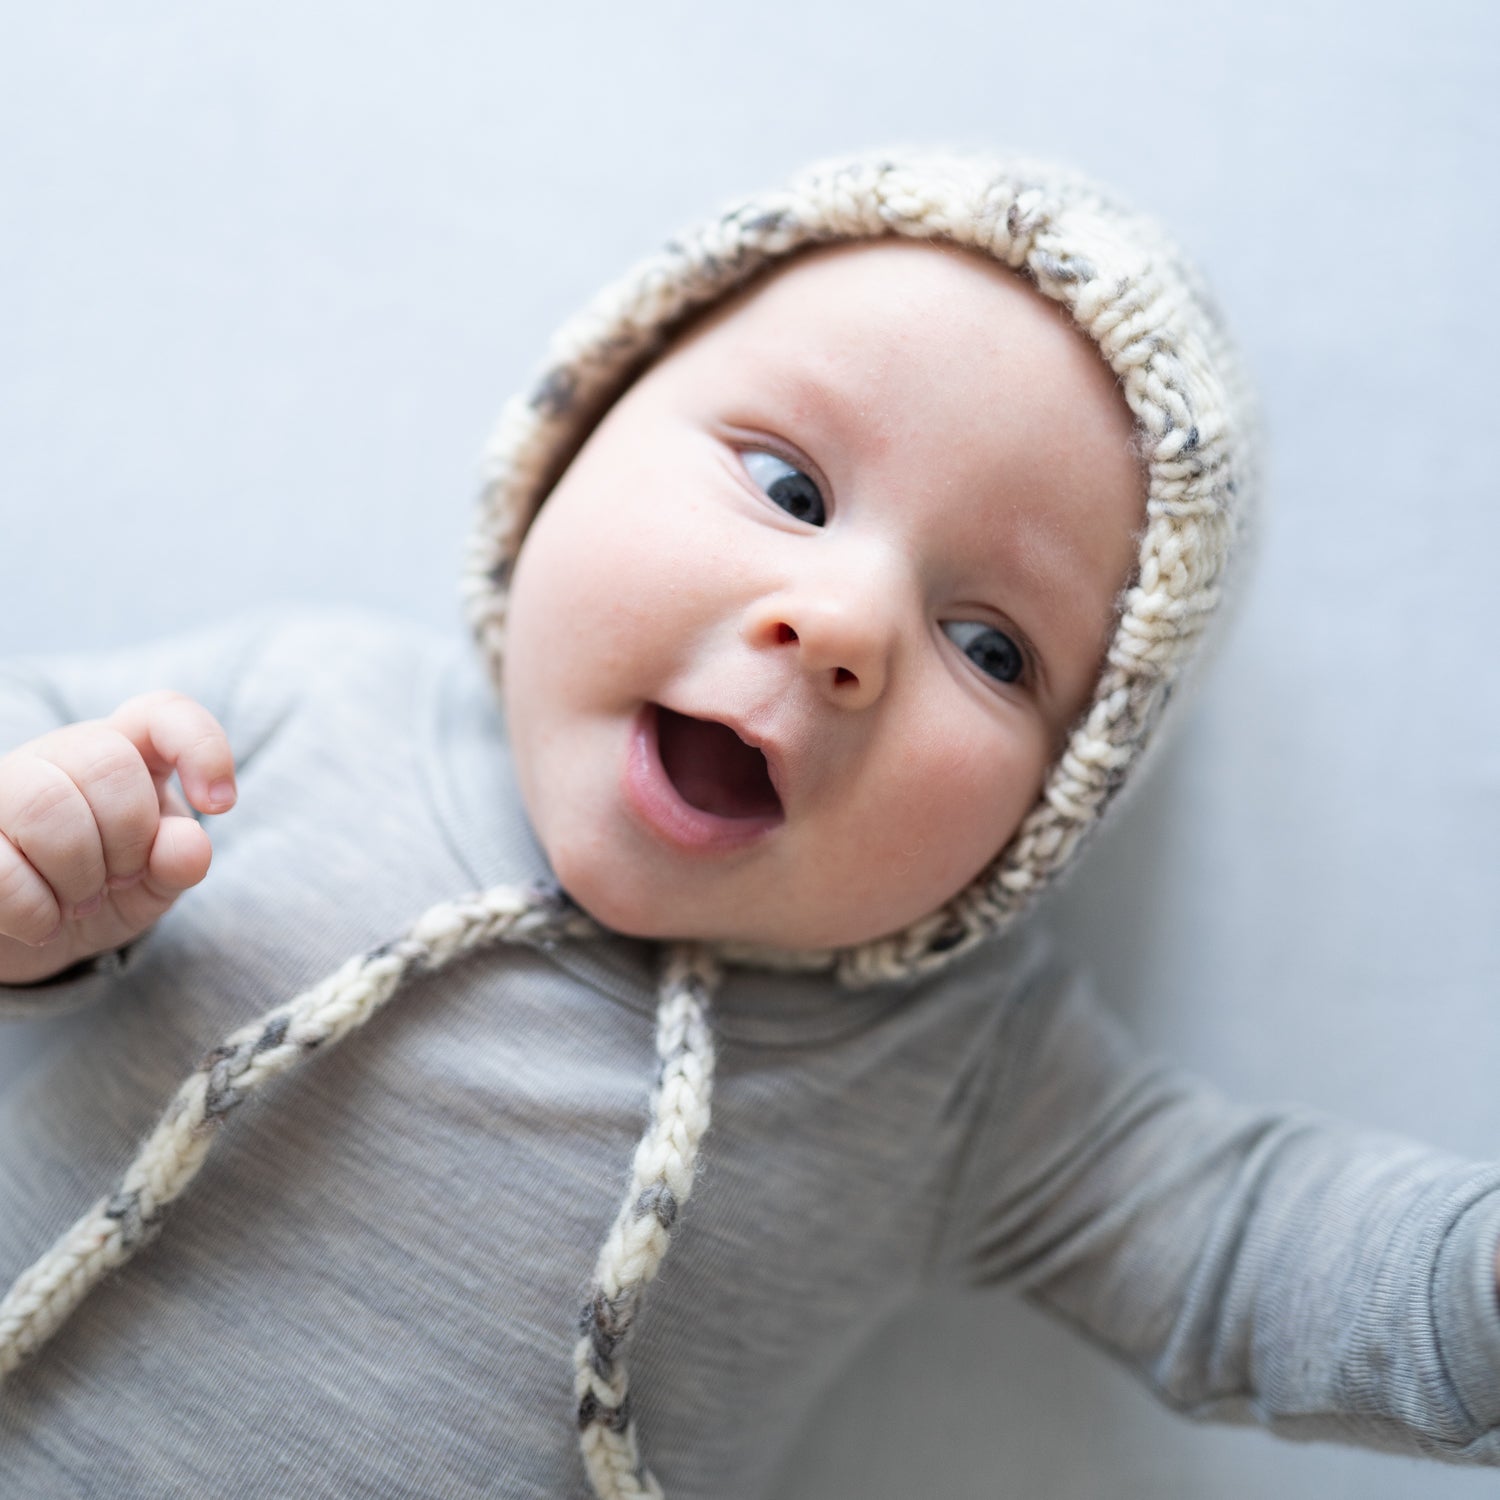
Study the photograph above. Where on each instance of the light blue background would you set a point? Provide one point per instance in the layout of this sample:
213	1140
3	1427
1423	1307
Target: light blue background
266	274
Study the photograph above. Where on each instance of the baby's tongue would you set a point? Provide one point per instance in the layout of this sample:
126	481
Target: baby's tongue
713	769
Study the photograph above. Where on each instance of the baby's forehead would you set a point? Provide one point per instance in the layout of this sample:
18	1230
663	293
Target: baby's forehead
878	285
861	313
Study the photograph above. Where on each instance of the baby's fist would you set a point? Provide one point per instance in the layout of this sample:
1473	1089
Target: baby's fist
94	843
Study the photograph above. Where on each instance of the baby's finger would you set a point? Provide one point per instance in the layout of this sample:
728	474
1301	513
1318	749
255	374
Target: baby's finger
174	733
28	909
49	821
110	773
179	858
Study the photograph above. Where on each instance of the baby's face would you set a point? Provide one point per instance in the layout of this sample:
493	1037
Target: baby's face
795	637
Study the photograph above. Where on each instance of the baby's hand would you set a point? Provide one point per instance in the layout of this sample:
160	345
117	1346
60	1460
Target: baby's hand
94	843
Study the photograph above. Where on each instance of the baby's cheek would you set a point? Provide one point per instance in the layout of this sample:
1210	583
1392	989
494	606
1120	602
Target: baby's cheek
970	803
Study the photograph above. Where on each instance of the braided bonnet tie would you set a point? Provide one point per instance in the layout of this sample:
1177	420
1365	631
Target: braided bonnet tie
45	1295
660	1179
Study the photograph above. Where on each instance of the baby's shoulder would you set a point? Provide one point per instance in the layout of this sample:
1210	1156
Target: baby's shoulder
335	671
315	637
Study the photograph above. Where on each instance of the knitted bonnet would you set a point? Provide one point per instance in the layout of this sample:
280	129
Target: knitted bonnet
1130	291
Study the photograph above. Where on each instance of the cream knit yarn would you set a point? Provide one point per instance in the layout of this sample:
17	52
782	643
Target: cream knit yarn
1131	292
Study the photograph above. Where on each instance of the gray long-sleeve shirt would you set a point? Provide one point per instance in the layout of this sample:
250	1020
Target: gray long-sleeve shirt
371	1288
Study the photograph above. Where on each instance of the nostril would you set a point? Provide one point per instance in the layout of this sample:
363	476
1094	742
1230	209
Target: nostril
813	654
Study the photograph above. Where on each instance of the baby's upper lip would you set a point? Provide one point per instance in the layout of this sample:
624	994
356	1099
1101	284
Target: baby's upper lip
768	745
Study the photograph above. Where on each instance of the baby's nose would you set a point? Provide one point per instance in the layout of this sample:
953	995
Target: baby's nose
843	645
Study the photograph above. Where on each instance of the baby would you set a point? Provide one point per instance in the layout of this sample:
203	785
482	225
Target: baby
881	519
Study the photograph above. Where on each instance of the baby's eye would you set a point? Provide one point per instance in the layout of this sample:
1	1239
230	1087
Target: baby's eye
991	650
787	486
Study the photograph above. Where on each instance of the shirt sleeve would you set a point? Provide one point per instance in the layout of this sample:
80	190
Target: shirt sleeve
1268	1265
43	692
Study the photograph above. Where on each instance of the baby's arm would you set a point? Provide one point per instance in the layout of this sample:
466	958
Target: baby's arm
1250	1264
95	845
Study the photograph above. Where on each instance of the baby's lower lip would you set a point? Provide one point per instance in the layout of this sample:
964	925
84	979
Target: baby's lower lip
660	807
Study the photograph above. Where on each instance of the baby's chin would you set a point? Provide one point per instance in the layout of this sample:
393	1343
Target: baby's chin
634	911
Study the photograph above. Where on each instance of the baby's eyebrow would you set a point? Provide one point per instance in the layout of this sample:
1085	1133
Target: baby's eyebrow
815	395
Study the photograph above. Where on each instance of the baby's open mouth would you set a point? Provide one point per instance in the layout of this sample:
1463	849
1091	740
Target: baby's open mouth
713	769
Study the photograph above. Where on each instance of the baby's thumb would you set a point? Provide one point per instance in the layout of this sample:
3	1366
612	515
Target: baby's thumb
179	858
